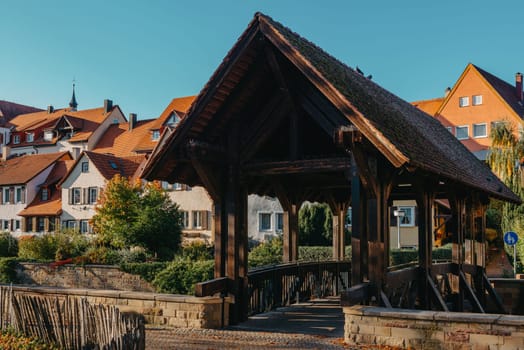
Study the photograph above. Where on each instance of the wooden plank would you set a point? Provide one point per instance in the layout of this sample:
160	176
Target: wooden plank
473	298
297	166
385	300
355	295
495	297
436	293
211	287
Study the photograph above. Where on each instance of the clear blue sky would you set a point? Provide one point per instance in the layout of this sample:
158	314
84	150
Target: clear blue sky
141	54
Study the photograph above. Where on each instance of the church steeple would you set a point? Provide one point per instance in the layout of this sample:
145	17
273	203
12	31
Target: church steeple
73	104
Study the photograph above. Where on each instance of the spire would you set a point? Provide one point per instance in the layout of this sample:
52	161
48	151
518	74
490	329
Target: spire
73	104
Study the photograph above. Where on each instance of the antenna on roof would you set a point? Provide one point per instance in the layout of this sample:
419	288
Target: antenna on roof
73	104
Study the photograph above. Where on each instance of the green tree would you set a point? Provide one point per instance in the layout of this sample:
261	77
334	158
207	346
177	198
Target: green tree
505	159
315	225
129	215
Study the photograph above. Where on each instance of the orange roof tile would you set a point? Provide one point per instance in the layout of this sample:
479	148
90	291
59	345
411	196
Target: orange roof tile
52	206
119	141
180	105
109	165
429	106
20	170
9	110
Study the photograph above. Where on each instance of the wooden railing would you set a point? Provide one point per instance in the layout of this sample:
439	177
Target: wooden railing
280	285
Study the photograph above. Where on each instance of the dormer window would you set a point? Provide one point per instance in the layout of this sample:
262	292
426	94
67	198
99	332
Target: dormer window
173	119
85	167
30	137
155	135
48	136
45	194
16	139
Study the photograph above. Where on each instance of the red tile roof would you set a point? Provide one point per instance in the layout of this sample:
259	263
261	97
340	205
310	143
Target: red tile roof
119	141
109	165
429	106
52	206
20	170
9	110
180	105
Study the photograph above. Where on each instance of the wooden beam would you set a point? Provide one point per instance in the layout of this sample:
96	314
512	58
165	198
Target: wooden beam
385	300
297	166
211	287
473	298
495	297
355	295
211	179
436	293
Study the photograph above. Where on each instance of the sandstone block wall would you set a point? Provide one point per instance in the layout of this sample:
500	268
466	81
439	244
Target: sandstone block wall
414	329
159	309
74	276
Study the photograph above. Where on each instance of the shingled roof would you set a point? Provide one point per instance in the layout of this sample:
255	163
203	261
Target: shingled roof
20	170
405	135
9	110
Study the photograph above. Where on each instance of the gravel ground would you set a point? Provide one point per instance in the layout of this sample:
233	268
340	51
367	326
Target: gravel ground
209	339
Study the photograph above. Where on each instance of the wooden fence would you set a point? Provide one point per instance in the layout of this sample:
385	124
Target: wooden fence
71	322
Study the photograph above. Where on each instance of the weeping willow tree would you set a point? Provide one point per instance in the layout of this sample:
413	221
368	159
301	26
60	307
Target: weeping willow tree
505	158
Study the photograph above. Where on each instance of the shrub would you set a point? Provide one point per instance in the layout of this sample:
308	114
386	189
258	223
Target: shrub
52	246
147	271
197	250
319	253
10	339
102	256
404	256
266	253
8	270
8	245
182	274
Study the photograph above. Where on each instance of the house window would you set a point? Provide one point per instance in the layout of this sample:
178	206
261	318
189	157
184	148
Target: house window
45	194
76	195
477	100
17	225
480	130
264	221
6	225
165	185
48	136
84	226
185	219
279	218
52	221
7	200
464	101
29	224
30	137
155	135
462	132
92	195
16	139
409	216
197	219
72	225
20	194
450	129
177	186
85	167
40	224
173	120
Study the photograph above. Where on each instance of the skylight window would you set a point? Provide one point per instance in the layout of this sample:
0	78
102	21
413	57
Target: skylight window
113	165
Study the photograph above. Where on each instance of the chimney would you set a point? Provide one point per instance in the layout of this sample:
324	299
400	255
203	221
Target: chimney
6	152
50	109
132	121
518	86
447	91
108	105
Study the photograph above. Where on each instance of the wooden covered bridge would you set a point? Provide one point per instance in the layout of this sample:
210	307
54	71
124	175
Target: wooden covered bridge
281	117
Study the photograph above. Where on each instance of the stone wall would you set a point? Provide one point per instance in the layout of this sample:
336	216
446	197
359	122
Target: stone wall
74	276
416	329
158	309
511	292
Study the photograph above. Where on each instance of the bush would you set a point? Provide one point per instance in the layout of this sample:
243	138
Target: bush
8	270
8	245
182	274
266	253
52	246
197	250
404	256
147	271
320	253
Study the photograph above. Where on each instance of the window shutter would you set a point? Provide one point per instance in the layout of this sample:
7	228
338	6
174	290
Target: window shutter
11	195
70	196
204	219
85	194
23	195
1	195
415	209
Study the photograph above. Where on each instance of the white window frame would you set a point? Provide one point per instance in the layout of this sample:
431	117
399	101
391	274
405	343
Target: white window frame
84	226
485	130
279	223
74	192
17	225
260	221
19	193
7	195
72	224
45	194
185	219
48	135
177	186
476	100
5	225
16	139
40	224
463	101
30	137
409	215
450	129
461	127
92	195
197	219
85	167
155	135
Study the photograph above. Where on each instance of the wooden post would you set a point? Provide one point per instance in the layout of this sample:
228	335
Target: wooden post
290	235
425	198
358	235
219	239
457	202
339	220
